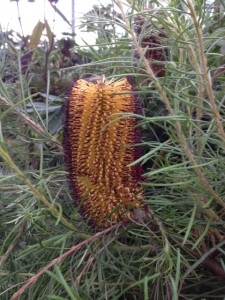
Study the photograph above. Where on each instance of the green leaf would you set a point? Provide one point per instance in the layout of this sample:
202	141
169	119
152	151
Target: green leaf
54	297
60	278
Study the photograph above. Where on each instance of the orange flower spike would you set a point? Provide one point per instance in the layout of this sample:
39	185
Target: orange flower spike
97	150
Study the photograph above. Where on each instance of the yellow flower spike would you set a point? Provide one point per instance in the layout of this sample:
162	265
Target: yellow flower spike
97	150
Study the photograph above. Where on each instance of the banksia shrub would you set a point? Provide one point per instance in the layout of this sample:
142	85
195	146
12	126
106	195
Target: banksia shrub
98	149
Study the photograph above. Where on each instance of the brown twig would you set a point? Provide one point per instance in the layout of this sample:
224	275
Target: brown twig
214	266
205	259
57	260
11	246
85	268
217	116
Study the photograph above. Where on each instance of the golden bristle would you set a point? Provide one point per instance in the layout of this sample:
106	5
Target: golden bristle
97	150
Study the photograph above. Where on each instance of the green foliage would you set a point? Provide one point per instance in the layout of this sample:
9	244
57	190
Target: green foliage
173	250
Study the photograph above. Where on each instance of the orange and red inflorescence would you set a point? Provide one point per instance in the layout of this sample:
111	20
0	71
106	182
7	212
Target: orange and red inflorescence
98	147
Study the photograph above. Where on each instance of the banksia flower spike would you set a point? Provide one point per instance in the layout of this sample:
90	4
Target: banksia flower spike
153	42
98	148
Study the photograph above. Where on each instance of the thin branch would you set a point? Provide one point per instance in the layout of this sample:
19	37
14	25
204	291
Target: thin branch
85	269
12	244
61	257
217	116
19	17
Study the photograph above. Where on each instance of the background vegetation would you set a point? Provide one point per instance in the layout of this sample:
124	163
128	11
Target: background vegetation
173	53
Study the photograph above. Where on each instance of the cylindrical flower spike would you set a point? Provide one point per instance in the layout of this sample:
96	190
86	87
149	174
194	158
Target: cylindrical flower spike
152	42
99	146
